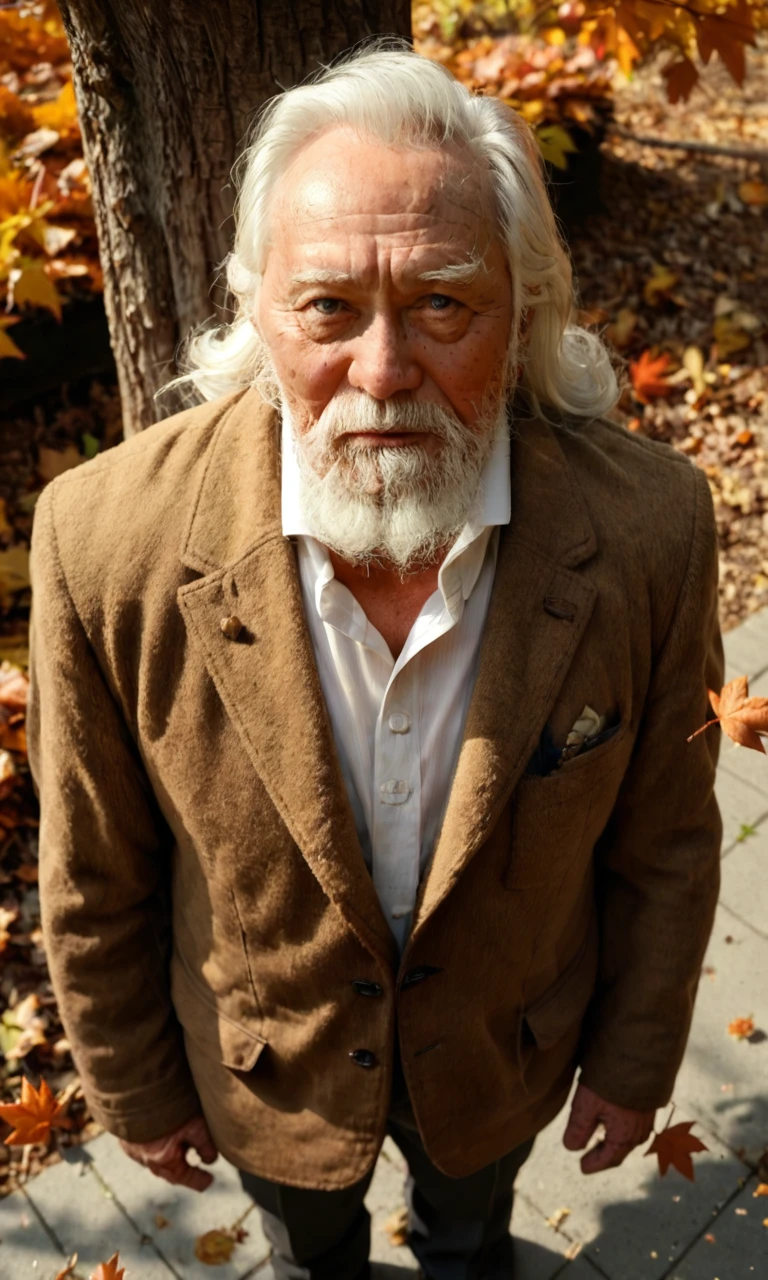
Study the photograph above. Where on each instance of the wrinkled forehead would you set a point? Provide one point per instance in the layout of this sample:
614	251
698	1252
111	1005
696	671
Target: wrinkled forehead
343	183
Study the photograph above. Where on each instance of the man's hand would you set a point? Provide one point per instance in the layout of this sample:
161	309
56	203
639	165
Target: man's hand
167	1157
624	1129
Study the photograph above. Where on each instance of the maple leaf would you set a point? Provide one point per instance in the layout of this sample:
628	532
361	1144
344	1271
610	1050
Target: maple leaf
68	1269
681	77
741	717
727	33
214	1247
33	1117
741	1028
647	376
673	1146
109	1270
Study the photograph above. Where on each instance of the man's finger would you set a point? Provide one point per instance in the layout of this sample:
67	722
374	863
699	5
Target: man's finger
206	1149
606	1155
582	1123
181	1174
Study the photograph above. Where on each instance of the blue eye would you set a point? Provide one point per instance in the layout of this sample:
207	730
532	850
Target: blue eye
440	301
327	306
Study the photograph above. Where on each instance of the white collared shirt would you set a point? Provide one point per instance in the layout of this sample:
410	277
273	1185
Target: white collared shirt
398	725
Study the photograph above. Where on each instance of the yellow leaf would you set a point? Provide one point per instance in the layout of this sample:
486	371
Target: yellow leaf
61	114
396	1227
693	360
8	348
33	287
659	284
214	1247
620	332
555	143
729	337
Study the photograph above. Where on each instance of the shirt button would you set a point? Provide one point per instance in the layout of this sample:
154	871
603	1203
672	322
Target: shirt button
399	722
363	1057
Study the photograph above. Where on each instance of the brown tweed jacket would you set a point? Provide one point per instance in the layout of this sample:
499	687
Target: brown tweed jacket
214	937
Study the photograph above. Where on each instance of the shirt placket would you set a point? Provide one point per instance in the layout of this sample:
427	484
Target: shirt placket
397	798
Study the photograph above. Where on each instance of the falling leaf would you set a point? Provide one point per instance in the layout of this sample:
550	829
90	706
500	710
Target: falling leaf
673	1146
741	717
648	378
396	1227
109	1270
741	1028
34	1116
214	1247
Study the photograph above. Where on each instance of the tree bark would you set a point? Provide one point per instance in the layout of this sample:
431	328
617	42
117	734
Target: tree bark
165	92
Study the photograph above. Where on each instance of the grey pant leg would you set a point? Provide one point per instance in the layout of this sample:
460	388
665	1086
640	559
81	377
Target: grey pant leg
315	1235
458	1228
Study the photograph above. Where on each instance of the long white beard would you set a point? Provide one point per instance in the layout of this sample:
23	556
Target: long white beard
397	506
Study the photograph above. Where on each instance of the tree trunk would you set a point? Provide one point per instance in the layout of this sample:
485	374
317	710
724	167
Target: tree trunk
165	91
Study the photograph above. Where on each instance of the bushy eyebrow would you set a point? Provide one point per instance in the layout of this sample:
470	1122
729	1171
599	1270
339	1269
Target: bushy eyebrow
451	273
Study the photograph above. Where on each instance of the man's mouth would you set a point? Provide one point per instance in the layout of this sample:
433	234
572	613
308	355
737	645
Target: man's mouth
387	439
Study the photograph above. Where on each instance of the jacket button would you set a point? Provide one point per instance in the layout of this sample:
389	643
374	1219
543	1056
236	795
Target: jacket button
414	976
363	1057
367	988
231	627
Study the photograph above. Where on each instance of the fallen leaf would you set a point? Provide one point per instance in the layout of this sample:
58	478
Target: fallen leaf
710	1239
109	1270
740	1213
620	332
68	1269
730	337
647	376
673	1146
161	1221
693	361
557	1217
573	1250
741	717
34	1116
396	1227
659	284
214	1247
741	1028
14	572
760	1190
753	193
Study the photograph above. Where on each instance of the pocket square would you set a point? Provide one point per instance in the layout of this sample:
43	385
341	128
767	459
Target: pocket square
589	730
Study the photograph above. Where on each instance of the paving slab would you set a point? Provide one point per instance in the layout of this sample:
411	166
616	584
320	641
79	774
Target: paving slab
742	762
385	1197
86	1220
541	1251
746	647
744	883
26	1249
740	803
738	1247
630	1222
722	1081
186	1214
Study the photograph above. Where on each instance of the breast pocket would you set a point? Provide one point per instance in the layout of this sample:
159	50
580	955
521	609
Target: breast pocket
552	815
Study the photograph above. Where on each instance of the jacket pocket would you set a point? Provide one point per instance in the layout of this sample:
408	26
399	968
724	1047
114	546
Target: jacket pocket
208	1024
561	1009
551	814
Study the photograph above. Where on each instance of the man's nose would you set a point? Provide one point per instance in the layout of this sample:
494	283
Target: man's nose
383	360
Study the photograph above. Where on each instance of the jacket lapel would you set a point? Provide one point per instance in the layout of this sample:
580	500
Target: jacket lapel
267	678
525	653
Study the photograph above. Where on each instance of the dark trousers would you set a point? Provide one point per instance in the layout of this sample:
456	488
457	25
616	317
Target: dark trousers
458	1228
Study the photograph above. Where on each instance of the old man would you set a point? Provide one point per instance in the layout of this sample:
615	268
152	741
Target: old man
360	693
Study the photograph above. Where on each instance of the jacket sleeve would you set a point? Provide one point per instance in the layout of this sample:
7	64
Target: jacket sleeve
104	853
657	863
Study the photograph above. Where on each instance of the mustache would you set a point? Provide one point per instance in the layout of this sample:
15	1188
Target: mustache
350	413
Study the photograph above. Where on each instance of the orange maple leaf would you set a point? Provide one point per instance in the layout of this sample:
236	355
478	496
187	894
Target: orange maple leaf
673	1146
741	717
741	1028
681	77
647	376
727	32
33	1117
109	1270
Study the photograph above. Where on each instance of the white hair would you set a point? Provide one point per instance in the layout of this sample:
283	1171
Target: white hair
386	91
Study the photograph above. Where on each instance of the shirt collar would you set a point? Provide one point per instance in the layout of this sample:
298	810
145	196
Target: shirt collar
461	568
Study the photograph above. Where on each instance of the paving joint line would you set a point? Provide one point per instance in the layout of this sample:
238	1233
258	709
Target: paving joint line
702	1233
747	924
144	1239
45	1225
